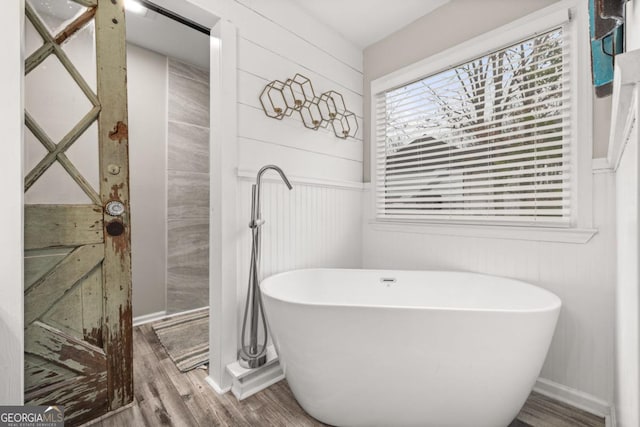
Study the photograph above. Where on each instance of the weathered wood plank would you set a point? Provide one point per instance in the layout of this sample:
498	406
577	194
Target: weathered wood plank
46	49
92	307
77	76
37	57
75	26
78	178
38	132
63	349
43	294
66	314
79	311
38	261
39	373
114	186
83	397
51	226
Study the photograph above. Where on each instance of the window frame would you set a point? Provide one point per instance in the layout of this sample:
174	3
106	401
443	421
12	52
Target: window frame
581	142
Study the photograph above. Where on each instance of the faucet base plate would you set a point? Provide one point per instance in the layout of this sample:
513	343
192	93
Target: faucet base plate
251	362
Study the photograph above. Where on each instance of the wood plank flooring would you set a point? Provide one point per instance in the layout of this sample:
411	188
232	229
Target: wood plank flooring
166	397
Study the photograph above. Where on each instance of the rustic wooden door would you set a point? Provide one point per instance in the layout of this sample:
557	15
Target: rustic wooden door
77	293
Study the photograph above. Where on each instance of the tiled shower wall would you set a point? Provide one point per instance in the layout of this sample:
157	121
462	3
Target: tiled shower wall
188	188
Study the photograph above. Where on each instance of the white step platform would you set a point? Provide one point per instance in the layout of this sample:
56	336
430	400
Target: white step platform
247	382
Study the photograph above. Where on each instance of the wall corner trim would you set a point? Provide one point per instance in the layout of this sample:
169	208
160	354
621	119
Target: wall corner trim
625	81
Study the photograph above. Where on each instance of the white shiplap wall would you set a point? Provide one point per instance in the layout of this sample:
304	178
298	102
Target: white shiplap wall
582	275
276	40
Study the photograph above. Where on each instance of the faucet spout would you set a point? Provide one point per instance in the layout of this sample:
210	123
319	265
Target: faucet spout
255	197
275	168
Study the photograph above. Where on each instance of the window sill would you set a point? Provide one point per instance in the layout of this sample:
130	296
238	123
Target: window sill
539	234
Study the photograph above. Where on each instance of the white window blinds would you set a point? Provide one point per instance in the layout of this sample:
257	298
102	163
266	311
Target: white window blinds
486	140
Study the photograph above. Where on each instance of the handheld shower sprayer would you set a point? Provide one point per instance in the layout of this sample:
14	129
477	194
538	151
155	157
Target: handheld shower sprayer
254	355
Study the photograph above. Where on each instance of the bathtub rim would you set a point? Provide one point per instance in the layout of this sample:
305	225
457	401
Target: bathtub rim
557	302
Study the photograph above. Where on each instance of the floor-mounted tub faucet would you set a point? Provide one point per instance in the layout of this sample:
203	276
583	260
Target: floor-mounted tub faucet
254	355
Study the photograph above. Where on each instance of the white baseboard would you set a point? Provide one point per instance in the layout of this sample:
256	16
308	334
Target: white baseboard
159	315
148	318
577	398
214	385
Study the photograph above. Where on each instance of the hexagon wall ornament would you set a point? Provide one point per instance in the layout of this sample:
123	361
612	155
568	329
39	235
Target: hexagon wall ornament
310	114
305	86
293	97
298	91
280	99
273	101
351	121
328	108
338	101
340	127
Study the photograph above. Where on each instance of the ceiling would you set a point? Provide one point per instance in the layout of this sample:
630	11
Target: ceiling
156	32
364	22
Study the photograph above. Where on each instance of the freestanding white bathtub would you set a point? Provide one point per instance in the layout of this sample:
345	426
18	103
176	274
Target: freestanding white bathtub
409	348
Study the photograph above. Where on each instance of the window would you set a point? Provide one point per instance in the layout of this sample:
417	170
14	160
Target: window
486	141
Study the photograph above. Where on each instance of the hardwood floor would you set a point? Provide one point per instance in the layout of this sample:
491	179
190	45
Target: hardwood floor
166	397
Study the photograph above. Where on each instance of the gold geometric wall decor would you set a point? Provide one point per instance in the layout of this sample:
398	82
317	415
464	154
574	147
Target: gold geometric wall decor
280	99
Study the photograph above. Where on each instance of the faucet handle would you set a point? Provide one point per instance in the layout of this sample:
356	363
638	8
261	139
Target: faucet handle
256	223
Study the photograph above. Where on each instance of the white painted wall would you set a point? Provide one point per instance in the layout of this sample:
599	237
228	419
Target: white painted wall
628	295
147	91
11	294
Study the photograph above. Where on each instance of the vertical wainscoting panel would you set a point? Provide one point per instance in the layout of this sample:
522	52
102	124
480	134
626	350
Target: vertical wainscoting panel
311	226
